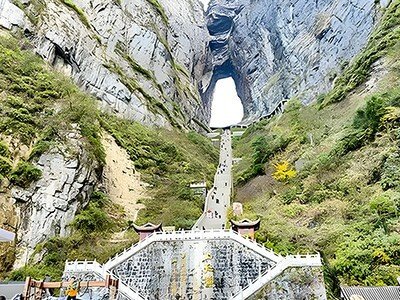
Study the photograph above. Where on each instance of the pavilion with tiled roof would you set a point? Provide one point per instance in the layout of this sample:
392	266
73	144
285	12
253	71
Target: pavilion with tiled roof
147	229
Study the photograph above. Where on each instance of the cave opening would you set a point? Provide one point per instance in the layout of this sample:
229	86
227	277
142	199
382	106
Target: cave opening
227	107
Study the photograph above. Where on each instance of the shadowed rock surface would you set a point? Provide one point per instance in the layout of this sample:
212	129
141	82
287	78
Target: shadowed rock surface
142	60
278	50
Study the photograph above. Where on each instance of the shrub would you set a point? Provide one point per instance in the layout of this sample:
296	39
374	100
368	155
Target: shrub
283	171
100	199
366	123
92	219
24	174
384	206
390	176
369	118
290	195
5	167
4	150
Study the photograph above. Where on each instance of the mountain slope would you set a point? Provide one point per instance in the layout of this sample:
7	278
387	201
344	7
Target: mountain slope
52	159
343	198
143	59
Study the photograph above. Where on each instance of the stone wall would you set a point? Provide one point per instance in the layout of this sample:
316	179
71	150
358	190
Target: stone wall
189	269
305	283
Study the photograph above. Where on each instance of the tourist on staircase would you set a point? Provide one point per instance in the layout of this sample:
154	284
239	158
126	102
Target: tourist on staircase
72	289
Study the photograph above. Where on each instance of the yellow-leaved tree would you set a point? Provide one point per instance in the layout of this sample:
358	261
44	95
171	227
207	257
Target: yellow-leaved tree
283	171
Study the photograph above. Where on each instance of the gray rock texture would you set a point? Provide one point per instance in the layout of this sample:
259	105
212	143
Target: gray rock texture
304	283
278	50
10	15
142	60
49	205
146	61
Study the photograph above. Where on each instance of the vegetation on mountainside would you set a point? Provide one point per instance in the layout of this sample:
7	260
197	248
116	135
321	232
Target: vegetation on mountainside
344	205
91	239
345	199
78	11
158	7
39	108
382	40
169	161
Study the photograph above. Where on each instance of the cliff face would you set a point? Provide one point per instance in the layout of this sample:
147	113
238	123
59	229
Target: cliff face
146	59
142	59
49	205
277	50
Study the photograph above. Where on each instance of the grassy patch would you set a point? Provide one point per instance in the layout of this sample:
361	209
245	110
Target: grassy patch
157	6
169	161
24	174
78	11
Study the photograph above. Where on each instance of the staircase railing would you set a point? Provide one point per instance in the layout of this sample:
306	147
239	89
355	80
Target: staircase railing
128	291
279	268
281	263
84	266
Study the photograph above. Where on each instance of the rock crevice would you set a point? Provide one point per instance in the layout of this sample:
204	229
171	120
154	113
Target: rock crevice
279	50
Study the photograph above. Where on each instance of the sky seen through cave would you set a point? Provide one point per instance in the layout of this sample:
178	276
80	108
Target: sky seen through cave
227	108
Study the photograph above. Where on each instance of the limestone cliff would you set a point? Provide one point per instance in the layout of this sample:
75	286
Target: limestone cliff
49	205
278	50
142	59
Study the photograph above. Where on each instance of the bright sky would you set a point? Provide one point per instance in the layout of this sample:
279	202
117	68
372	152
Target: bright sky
227	108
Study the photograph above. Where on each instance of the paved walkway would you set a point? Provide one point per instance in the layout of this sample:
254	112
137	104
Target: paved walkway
219	197
11	289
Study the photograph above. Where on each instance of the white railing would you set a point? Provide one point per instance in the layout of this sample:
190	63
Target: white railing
129	292
191	235
84	266
94	266
281	263
287	262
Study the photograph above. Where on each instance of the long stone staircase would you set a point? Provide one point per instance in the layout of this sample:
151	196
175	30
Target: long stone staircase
208	262
218	198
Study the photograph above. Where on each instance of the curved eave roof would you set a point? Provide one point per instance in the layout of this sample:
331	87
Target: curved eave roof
246	223
148	227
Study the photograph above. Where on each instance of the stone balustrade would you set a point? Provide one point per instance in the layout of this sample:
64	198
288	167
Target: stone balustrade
277	266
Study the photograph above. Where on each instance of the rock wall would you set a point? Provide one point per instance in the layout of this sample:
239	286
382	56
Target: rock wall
141	58
277	50
146	59
48	206
214	269
295	283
